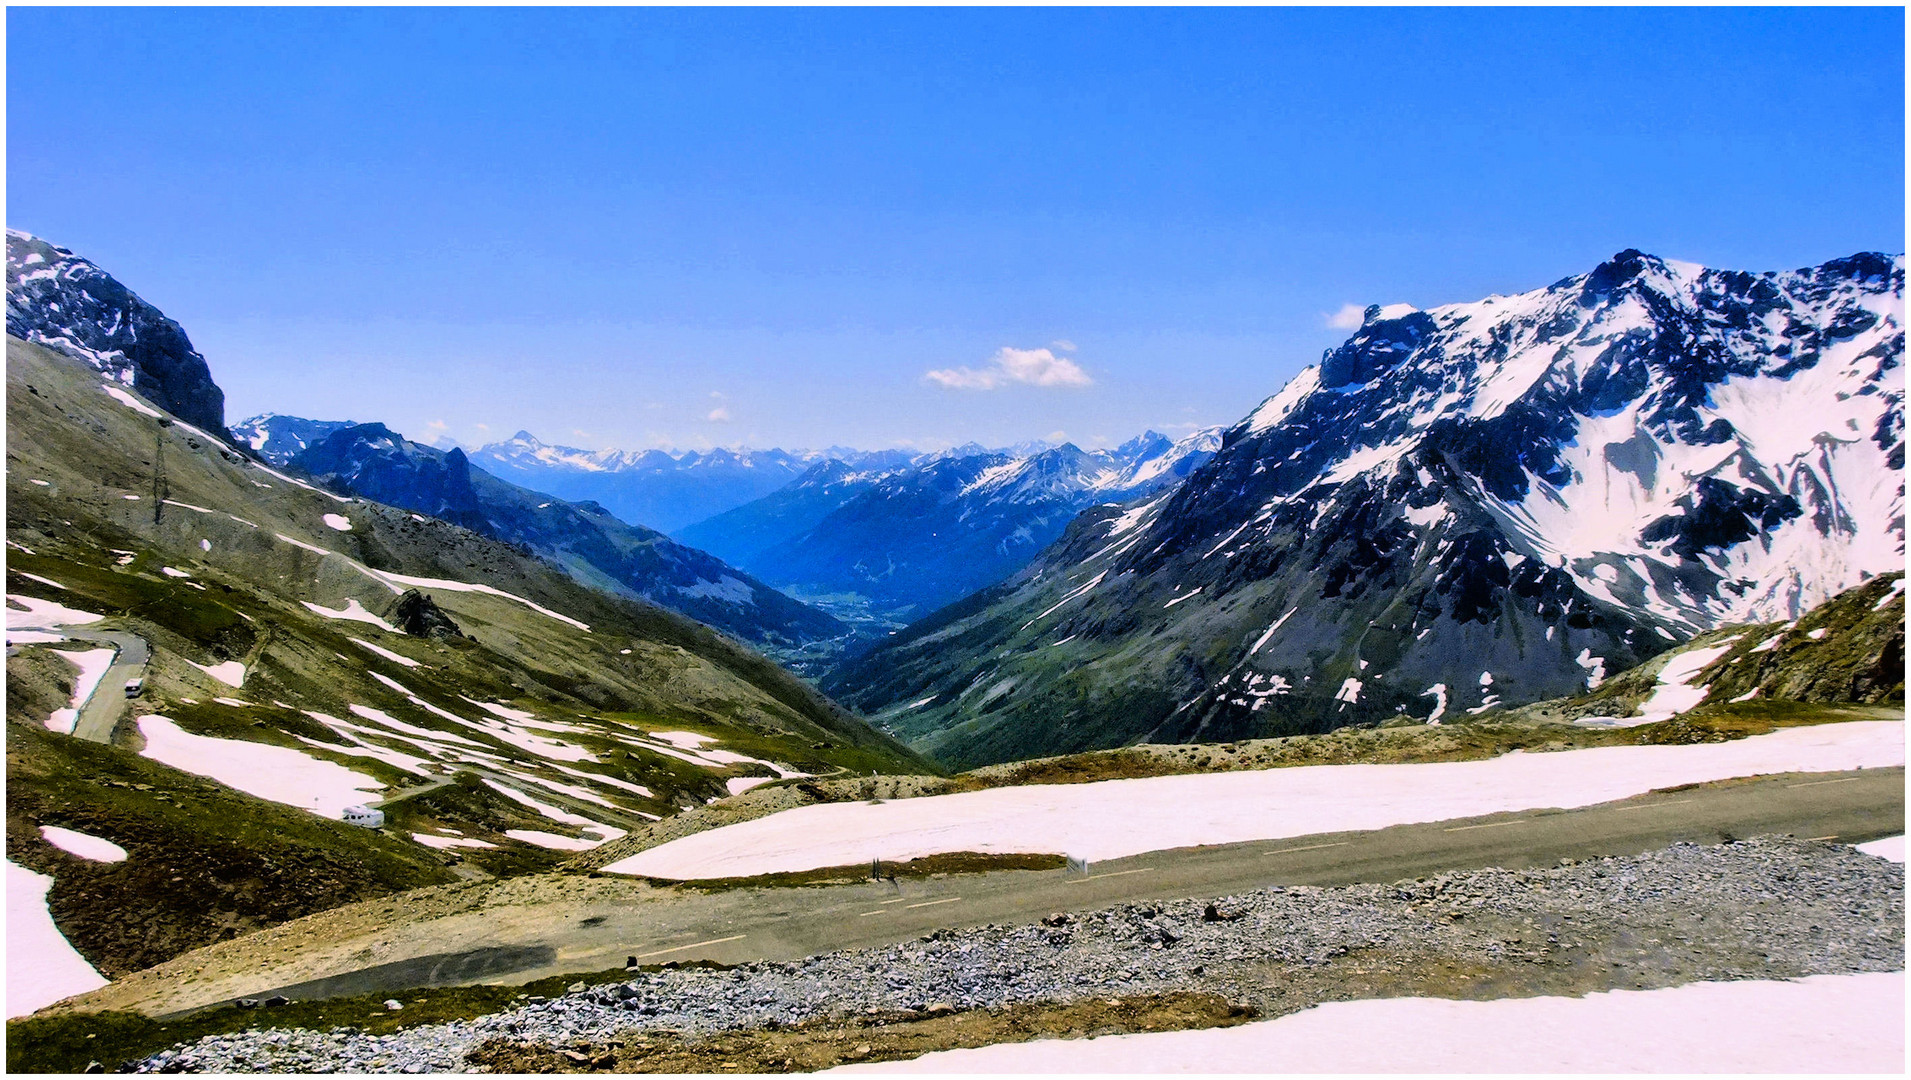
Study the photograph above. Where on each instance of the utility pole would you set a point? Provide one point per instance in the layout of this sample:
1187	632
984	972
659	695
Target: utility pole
159	472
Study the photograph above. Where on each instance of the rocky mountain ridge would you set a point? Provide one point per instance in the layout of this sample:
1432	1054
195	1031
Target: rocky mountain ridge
58	299
279	438
584	538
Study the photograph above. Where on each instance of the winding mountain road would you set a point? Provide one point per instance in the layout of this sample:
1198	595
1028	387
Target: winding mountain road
100	714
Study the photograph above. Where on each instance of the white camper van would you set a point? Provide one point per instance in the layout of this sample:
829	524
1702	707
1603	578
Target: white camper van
364	817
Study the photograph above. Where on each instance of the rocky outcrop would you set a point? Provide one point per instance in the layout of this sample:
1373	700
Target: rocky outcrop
58	299
1847	651
416	614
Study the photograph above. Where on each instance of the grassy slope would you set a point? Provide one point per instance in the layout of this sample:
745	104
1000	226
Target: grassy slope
204	862
1856	659
638	669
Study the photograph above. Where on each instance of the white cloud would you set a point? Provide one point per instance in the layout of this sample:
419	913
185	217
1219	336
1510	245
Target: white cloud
1349	317
1033	367
1062	345
719	415
436	425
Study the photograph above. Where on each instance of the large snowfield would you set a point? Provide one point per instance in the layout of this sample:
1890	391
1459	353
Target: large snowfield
1116	818
41	967
278	773
1821	1024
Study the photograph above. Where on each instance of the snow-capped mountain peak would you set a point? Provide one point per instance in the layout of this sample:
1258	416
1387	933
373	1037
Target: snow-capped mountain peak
1632	426
279	438
1600	467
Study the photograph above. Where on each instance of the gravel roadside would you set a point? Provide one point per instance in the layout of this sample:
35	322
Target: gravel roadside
1763	908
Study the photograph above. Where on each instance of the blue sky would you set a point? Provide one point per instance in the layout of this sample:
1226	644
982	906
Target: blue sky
664	227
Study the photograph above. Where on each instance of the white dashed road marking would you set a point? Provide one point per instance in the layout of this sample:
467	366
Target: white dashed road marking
693	945
1310	847
1488	825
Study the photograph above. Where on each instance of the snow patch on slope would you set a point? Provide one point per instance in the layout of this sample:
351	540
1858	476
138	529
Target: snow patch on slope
83	845
42	966
1117	818
277	773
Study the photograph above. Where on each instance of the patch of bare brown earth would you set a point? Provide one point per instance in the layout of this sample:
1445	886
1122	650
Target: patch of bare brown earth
876	1036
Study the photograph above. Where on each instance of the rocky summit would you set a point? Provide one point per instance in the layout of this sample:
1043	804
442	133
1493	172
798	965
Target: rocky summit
1461	507
58	299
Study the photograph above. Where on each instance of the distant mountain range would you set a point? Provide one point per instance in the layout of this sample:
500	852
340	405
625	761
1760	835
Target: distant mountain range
874	537
373	461
662	490
1478	504
886	546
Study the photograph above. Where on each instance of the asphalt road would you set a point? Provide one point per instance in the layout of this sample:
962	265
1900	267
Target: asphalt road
101	713
791	923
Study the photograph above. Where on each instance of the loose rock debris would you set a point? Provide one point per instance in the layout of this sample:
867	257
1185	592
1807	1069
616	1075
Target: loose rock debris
886	1036
1764	908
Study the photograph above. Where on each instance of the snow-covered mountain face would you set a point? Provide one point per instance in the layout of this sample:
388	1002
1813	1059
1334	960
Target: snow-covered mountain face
1690	445
583	538
1472	505
61	301
661	490
278	438
900	544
